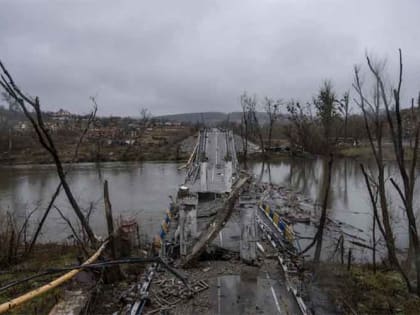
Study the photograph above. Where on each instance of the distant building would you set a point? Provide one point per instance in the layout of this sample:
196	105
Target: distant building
61	114
21	126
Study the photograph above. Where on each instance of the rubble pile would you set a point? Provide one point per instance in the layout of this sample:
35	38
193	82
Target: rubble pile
166	293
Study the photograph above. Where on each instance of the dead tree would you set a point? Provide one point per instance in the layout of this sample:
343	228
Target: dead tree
406	167
250	122
91	118
36	119
245	122
344	108
109	220
114	272
13	235
144	123
256	126
272	109
374	202
374	125
303	133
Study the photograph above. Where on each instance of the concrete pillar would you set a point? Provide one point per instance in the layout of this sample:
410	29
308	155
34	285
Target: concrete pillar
182	241
188	229
228	176
203	176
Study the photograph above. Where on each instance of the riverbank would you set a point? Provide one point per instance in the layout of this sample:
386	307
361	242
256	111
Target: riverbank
355	291
359	153
43	257
154	144
360	290
89	153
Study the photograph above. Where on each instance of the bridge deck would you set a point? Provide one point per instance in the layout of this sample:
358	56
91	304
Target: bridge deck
258	289
215	165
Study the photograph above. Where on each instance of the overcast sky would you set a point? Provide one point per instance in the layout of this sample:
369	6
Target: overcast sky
190	56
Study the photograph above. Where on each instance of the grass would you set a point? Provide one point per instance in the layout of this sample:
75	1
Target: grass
365	292
44	257
365	152
356	152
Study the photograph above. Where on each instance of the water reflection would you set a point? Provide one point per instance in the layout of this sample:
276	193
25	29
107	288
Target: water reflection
349	200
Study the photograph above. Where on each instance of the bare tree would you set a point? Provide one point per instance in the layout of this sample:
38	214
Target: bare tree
344	108
256	126
90	120
250	122
326	112
373	195
245	122
145	116
27	103
13	235
13	109
374	125
302	133
272	109
406	167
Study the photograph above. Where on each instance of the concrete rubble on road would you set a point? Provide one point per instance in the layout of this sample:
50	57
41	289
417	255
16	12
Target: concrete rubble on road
167	292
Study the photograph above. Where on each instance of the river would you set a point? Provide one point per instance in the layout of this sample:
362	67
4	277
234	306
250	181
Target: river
141	190
137	190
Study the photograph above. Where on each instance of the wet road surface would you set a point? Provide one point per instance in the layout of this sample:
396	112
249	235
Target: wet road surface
254	291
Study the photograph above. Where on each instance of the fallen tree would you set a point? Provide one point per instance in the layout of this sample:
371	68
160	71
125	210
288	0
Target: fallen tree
217	224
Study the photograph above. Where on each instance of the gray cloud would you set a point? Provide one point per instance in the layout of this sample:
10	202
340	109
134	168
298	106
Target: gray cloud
179	56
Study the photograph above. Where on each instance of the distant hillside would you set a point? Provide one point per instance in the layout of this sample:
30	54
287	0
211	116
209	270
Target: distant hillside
209	118
213	118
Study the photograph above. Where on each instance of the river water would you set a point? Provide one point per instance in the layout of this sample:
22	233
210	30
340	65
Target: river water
141	190
137	190
349	200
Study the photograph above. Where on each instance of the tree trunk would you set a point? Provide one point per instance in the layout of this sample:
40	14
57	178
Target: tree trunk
44	138
270	133
44	217
374	243
109	220
113	273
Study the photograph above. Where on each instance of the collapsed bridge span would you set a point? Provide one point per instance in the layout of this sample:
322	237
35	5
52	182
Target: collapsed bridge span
220	207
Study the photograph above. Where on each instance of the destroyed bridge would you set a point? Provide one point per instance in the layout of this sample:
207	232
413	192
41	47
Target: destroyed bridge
222	212
223	248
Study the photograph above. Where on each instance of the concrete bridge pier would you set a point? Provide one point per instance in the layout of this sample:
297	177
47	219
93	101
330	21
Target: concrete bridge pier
203	176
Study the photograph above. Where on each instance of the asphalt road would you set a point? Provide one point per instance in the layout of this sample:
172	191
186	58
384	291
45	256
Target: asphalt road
256	289
216	172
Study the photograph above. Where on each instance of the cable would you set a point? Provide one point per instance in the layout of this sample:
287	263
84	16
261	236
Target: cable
132	260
